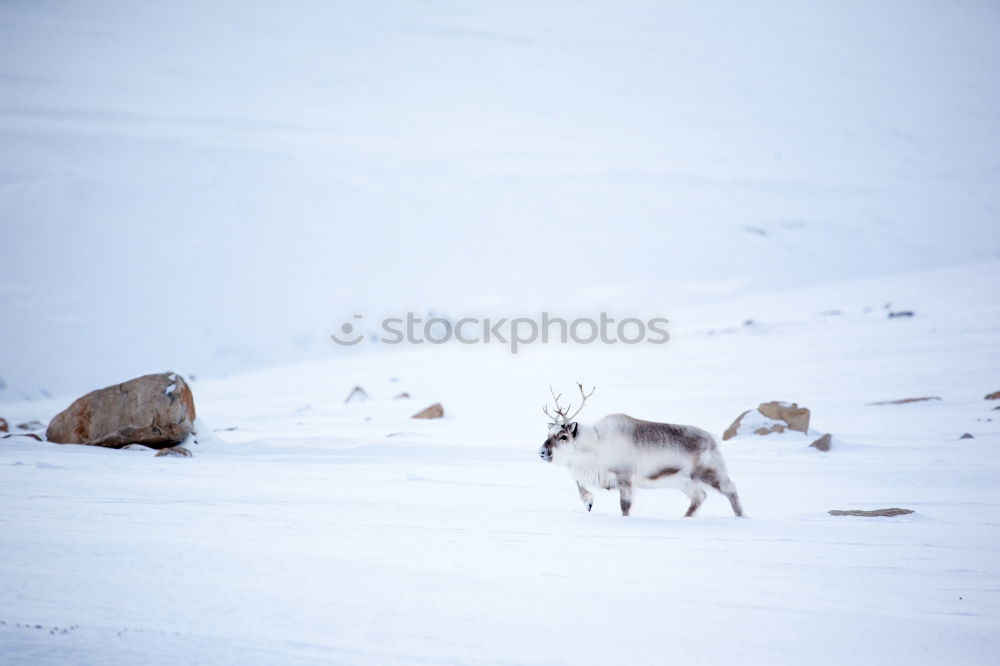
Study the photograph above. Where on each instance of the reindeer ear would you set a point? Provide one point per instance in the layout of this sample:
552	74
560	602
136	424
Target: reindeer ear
573	427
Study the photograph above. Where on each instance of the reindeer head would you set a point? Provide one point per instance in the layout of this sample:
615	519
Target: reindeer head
562	429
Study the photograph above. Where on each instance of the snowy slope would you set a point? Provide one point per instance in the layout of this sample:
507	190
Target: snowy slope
317	532
214	186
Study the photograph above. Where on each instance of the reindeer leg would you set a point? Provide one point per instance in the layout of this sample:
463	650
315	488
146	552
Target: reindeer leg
625	489
721	482
734	499
694	492
585	496
728	488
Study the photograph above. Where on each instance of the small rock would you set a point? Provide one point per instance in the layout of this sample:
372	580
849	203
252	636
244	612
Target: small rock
31	425
873	513
904	401
173	451
991	396
23	434
155	410
967	435
997	408
823	443
3	426
402	396
435	411
357	394
900	313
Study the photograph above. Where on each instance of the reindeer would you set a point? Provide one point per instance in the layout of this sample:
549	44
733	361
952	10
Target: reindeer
621	452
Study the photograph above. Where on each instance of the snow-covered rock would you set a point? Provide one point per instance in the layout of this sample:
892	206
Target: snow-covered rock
769	417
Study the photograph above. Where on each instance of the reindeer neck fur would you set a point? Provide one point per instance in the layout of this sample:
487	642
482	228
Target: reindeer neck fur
587	442
586	458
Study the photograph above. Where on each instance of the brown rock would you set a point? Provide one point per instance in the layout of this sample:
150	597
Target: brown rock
435	411
23	434
874	513
796	417
155	410
775	427
3	426
31	425
993	396
402	396
904	401
173	451
823	443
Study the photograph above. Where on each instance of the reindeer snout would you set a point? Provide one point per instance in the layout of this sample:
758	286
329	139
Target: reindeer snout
545	454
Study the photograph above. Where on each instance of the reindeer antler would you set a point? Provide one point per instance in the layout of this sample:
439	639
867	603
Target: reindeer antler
583	401
562	414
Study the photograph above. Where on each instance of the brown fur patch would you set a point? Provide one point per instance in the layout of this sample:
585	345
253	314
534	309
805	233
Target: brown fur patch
666	471
706	475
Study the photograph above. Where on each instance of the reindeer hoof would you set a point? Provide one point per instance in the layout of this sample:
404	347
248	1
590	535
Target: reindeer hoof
590	505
